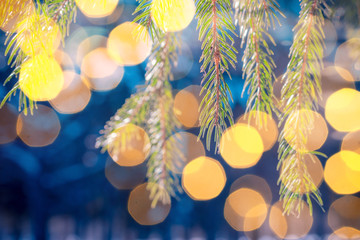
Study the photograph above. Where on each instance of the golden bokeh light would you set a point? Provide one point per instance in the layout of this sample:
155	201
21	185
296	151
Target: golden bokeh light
112	18
89	44
74	97
245	209
15	12
139	207
64	60
125	47
130	146
347	233
241	146
41	78
268	131
203	178
347	56
339	176
97	8
186	106
8	120
343	217
334	78
174	15
97	64
292	226
316	134
351	142
106	83
189	148
38	34
40	129
124	178
342	110
255	183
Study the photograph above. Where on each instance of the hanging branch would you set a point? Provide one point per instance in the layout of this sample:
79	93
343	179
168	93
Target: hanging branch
254	18
145	19
61	12
301	91
215	24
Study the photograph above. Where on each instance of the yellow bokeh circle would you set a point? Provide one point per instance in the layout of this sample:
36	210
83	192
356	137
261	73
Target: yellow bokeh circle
241	146
97	8
130	147
342	110
173	15
203	178
125	47
41	78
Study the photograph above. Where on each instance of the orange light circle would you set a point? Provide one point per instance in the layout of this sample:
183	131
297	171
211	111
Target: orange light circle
351	142
97	8
8	120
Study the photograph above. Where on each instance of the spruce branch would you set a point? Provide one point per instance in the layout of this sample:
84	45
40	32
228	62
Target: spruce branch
215	26
145	19
254	18
301	91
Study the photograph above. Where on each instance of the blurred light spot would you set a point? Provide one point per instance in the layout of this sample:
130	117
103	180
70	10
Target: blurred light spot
345	233
203	178
314	137
332	79
342	110
97	8
15	12
38	34
139	206
8	118
343	217
241	146
112	18
347	56
106	83
97	64
130	146
245	210
40	129
331	37
184	63
124	178
174	15
269	131
189	148
74	97
88	45
64	60
315	170
351	142
41	78
290	227
186	106
125	47
255	183
339	176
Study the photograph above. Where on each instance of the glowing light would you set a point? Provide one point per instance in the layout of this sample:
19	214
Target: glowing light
186	106
290	227
125	48
245	210
130	147
346	55
269	131
316	134
345	233
203	178
97	64
241	146
351	142
40	129
38	34
74	97
64	61
8	119
340	178
342	110
189	147
97	8
124	178
41	78
15	12
174	15
139	207
343	217
255	183
89	44
112	18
